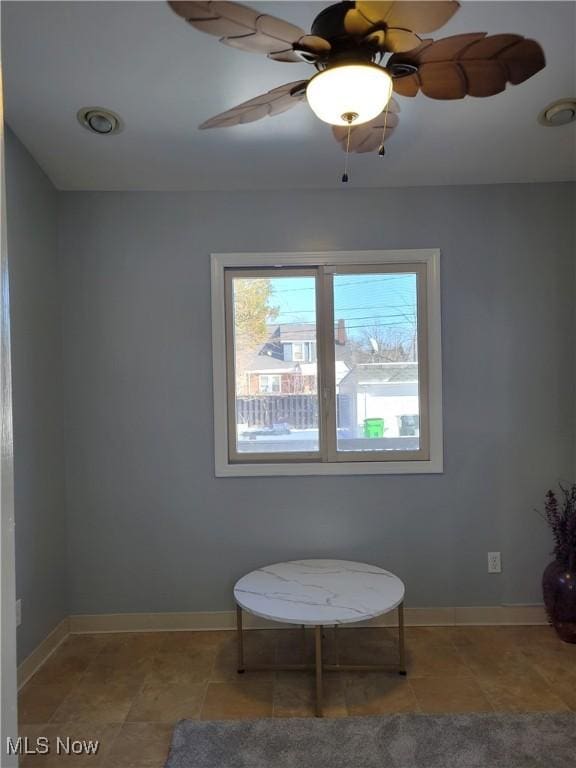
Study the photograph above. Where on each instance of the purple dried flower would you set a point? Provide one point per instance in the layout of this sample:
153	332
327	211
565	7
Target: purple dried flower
562	520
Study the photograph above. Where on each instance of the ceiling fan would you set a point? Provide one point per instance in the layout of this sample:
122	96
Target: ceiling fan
363	51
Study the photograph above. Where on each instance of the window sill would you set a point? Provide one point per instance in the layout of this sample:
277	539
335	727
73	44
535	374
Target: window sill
433	466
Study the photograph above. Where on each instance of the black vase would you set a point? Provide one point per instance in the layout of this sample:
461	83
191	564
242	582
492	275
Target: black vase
559	588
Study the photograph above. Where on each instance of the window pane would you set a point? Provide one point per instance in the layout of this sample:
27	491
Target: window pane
376	354
276	393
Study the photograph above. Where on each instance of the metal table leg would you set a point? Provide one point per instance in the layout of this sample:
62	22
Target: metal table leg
401	647
319	698
240	638
336	644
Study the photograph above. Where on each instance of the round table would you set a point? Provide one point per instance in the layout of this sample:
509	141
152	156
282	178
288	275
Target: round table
319	593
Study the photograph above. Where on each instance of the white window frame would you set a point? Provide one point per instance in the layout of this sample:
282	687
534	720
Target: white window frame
430	259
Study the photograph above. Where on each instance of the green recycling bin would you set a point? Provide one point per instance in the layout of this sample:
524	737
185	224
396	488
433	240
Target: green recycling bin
373	427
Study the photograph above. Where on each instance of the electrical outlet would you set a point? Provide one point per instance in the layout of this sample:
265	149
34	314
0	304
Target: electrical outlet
494	562
18	612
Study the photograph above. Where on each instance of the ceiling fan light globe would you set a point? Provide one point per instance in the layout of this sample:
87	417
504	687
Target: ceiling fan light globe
361	89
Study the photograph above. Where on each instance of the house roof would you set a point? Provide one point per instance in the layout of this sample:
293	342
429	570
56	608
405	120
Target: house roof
261	362
267	358
293	332
383	373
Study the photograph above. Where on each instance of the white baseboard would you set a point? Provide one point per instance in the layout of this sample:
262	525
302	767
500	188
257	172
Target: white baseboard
210	620
497	615
42	652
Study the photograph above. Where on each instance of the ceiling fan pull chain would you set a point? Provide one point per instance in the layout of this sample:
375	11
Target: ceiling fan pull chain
345	174
381	150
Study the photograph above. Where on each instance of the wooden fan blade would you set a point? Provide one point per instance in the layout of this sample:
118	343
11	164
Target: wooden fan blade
416	15
239	26
393	106
488	47
273	102
522	60
442	80
393	40
375	11
308	48
484	78
314	44
288	55
401	40
220	19
357	24
259	43
367	137
473	64
406	86
449	48
415	54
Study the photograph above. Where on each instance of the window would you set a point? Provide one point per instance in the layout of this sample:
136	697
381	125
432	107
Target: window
298	351
270	383
327	363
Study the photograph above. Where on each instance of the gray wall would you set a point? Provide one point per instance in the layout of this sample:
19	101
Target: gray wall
37	394
151	528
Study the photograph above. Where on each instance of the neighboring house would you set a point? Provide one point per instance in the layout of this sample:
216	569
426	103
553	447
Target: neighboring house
286	363
387	391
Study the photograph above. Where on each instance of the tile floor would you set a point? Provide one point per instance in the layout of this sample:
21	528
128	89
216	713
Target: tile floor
128	690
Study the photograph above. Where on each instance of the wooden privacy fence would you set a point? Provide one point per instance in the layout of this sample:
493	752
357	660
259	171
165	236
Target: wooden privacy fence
297	411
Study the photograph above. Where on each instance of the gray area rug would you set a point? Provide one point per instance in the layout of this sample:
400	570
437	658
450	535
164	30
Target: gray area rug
393	741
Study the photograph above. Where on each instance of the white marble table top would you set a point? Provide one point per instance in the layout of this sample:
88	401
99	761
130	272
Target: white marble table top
317	592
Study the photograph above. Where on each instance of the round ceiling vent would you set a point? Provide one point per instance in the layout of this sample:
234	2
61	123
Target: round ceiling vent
560	112
99	120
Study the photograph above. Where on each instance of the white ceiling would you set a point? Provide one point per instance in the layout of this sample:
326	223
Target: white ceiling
164	78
